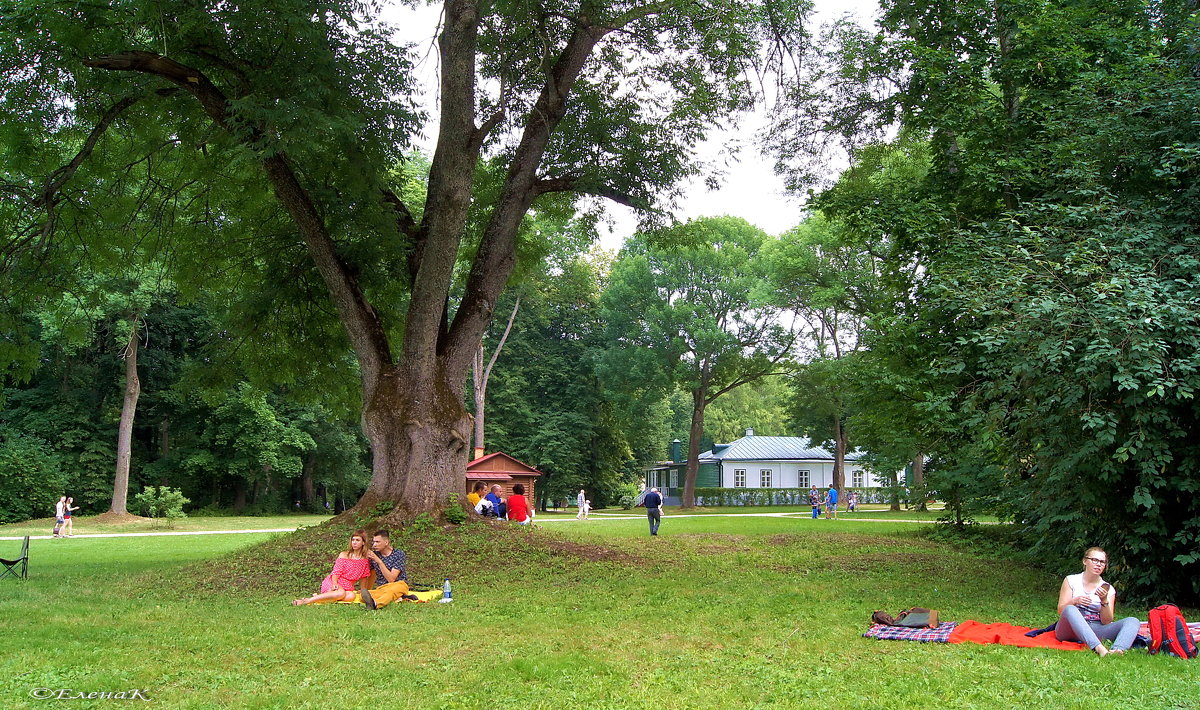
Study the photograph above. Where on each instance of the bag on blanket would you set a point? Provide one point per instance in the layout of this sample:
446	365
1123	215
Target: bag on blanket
1169	632
915	618
918	618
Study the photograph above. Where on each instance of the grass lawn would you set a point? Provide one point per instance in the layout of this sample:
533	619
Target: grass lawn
93	524
717	612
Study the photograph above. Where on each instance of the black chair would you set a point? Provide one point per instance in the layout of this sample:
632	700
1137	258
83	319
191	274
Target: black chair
10	566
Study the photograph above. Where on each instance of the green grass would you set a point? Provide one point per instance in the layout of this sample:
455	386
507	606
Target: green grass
94	524
717	612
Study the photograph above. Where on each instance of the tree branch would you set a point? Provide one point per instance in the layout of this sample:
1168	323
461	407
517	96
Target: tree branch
358	317
575	184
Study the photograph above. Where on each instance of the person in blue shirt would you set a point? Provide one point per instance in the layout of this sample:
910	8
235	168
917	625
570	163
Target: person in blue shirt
831	508
654	501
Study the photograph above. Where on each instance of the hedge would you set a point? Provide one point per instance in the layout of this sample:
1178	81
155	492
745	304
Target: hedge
715	497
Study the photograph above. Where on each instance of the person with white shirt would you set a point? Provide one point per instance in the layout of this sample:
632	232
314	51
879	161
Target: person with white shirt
1086	606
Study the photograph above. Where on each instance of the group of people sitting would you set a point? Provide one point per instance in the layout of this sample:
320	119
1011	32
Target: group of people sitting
493	504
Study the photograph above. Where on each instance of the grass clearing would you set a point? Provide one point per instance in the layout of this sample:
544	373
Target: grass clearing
93	524
716	612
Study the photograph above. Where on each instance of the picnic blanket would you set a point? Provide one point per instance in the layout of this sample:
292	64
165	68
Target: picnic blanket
1008	635
1194	627
431	595
884	632
970	632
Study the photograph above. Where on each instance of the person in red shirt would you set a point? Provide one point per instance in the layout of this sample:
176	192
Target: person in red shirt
518	507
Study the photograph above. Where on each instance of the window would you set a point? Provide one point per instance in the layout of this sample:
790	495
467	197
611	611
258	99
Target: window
858	479
802	479
674	478
739	478
764	478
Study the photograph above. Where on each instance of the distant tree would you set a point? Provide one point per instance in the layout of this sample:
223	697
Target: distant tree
689	308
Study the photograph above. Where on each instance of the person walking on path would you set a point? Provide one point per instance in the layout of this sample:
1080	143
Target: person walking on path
68	526
581	501
58	515
832	502
654	501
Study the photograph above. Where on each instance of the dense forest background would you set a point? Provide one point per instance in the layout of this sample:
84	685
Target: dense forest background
1001	291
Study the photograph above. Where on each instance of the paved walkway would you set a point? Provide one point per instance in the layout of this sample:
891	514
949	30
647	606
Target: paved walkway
155	534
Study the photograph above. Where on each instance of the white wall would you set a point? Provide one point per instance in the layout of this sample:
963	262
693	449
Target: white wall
784	474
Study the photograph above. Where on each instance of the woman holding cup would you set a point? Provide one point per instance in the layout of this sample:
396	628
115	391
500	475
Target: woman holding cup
1086	606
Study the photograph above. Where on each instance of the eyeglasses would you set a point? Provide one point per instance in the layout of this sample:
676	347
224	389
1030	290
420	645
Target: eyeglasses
1097	560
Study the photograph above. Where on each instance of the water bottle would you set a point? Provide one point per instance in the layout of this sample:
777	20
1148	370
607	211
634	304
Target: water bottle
447	597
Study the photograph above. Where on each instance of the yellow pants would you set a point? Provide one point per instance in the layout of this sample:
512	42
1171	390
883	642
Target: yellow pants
385	594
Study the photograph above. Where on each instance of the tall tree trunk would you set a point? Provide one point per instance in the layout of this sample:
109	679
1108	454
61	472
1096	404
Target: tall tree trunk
839	457
480	376
695	433
307	490
133	387
917	485
239	494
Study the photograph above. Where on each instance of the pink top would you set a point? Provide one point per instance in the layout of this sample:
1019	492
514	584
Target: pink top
348	572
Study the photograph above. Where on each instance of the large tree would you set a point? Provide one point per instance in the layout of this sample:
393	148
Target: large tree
690	307
1056	295
282	123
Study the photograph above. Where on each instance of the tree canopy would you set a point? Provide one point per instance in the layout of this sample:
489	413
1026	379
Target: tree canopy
264	143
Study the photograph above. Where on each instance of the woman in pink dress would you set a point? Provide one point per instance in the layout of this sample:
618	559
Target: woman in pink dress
349	567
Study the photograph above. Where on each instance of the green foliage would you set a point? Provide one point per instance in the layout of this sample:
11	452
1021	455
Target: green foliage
162	502
1046	344
689	307
455	513
31	477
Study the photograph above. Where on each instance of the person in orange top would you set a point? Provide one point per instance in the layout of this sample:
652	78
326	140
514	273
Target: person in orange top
350	566
518	507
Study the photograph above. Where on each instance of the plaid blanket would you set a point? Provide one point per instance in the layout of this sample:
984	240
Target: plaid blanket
899	633
1194	627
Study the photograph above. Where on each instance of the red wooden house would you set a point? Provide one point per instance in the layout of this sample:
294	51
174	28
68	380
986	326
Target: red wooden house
505	470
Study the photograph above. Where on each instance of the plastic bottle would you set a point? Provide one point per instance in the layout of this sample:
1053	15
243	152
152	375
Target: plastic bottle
447	596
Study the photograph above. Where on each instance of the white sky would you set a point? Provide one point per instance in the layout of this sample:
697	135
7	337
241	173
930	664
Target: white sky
750	189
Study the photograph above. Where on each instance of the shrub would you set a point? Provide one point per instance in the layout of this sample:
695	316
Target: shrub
162	502
30	478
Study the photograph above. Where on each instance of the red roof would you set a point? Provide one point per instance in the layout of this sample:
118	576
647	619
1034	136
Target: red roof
499	464
488	476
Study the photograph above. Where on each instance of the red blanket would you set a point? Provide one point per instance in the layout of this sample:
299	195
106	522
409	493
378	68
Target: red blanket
1008	635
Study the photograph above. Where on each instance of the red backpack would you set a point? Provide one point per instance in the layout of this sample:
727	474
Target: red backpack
1169	632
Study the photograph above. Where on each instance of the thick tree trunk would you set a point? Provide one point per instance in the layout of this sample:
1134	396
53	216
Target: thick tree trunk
419	434
133	388
695	433
839	457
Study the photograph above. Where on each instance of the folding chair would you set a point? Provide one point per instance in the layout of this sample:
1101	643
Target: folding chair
10	566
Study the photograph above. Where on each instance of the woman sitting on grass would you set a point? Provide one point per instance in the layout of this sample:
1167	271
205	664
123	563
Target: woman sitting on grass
1086	604
349	567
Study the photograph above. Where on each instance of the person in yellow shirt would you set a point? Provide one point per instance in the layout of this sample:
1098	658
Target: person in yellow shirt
476	493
